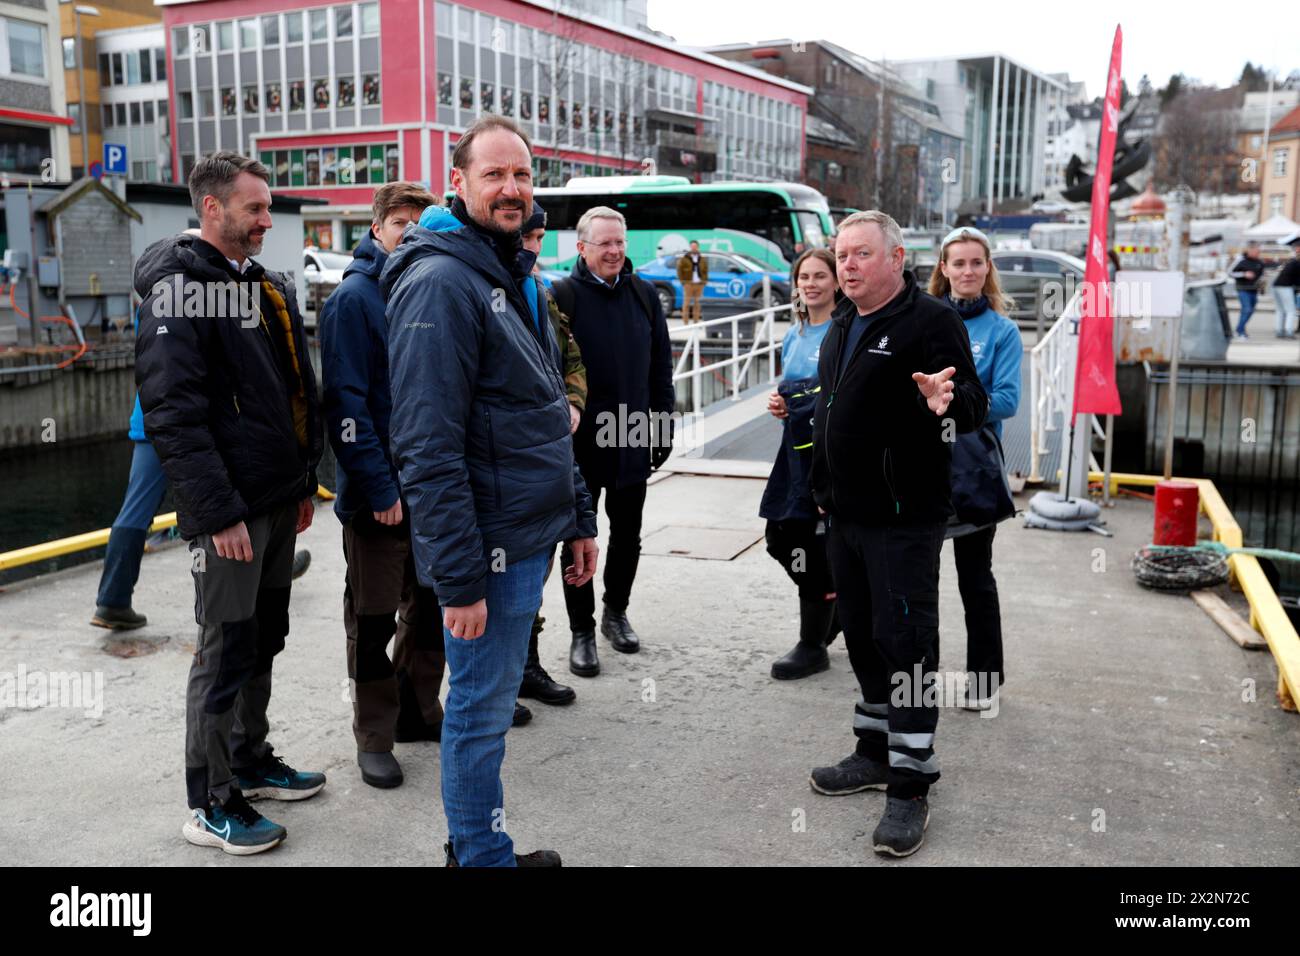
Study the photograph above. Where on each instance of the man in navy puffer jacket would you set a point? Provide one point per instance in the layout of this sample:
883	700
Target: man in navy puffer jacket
480	435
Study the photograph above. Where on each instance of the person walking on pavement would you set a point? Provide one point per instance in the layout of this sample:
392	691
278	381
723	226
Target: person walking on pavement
623	336
480	433
968	281
230	404
393	700
898	382
693	274
1285	287
537	683
795	533
1247	272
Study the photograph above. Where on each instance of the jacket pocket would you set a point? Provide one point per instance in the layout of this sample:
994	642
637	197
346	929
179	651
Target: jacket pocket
492	457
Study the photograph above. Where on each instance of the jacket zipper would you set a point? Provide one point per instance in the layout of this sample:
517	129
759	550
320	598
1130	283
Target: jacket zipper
887	470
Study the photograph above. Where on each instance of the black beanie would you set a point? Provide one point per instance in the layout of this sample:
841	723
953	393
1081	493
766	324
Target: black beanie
537	220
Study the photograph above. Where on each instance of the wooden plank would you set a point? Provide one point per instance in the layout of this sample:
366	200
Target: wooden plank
1229	620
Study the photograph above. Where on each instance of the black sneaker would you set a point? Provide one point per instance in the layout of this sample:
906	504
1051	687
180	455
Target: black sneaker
851	775
547	859
118	618
539	685
901	830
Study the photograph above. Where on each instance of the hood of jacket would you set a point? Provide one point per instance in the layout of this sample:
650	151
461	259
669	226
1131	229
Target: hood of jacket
582	274
367	259
441	233
190	256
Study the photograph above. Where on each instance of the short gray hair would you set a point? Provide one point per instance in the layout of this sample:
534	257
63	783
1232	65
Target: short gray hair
598	212
893	234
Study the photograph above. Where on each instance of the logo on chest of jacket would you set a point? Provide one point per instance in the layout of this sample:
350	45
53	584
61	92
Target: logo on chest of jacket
880	346
976	348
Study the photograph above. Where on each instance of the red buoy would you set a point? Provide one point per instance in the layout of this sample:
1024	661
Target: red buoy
1177	505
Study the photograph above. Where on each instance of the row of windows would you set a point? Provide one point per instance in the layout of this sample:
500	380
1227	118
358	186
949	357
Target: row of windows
131	67
368	164
138	113
322	23
248	100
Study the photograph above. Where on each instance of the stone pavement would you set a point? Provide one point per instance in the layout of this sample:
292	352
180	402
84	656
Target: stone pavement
1123	709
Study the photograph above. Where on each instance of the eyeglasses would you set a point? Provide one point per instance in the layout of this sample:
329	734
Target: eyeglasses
609	244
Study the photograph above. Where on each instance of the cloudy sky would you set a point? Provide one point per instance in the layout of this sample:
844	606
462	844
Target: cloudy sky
1208	41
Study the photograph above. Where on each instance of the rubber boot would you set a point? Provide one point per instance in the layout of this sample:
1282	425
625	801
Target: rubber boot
808	656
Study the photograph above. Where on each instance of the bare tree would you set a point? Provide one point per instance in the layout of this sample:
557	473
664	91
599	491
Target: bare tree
557	54
1194	146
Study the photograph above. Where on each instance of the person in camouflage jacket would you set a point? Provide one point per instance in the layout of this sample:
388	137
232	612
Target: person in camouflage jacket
537	683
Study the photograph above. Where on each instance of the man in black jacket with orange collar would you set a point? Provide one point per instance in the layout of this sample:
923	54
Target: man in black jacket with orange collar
898	384
230	403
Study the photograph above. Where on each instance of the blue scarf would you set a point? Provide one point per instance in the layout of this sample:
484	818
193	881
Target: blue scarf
969	308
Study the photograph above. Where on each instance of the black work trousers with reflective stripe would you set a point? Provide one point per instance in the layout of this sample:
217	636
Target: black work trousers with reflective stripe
979	597
887	587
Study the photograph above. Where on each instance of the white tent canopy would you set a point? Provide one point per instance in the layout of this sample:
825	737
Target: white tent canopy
1271	230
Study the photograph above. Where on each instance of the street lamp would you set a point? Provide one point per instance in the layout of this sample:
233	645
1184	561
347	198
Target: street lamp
80	10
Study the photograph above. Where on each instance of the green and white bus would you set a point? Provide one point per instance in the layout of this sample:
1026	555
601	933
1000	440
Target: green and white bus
764	221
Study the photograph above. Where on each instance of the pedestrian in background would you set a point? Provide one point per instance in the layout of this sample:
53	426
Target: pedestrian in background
1285	287
1247	272
795	533
392	700
692	273
968	280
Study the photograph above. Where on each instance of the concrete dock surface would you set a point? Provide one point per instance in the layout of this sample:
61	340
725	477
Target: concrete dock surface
1131	730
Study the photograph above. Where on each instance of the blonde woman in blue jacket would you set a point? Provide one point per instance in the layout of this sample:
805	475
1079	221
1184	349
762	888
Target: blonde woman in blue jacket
967	279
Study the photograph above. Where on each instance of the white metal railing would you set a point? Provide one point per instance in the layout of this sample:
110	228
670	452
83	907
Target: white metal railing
764	343
1051	381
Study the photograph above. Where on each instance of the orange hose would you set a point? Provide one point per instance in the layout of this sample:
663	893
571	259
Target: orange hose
81	347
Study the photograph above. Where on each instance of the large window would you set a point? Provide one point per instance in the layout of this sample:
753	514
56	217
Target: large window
23	148
69	53
365	164
24	49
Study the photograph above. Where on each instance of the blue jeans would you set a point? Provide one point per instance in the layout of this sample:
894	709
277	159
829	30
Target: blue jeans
1247	300
1284	297
483	680
144	493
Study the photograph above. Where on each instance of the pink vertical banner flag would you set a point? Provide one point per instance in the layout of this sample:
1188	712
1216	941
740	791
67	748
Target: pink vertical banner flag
1095	391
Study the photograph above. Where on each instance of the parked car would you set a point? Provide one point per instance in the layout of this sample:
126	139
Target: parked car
322	271
1040	281
735	283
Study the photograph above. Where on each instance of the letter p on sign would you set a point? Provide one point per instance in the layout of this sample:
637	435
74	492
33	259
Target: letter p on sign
115	158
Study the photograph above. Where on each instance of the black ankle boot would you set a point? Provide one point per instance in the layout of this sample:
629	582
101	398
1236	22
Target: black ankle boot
583	660
808	656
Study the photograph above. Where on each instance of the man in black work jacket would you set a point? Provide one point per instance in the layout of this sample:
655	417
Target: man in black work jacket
898	384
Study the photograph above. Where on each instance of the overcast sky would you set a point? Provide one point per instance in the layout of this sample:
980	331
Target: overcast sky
1208	41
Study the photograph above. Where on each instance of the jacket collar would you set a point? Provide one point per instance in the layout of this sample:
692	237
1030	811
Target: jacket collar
586	276
846	311
368	258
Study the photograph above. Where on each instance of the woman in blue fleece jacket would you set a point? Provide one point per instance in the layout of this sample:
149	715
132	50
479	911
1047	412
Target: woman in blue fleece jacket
967	279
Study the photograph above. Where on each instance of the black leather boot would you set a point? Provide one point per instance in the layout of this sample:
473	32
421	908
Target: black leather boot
379	769
537	684
582	654
808	656
614	625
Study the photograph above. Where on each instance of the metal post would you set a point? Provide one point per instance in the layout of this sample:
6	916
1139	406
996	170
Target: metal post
81	92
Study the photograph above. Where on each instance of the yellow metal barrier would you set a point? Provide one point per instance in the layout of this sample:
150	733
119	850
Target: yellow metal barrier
93	539
1266	612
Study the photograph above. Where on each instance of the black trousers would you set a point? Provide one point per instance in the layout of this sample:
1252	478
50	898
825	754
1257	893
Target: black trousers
887	586
797	547
979	597
623	508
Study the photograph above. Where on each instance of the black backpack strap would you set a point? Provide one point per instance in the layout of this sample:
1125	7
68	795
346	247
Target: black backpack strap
563	294
641	287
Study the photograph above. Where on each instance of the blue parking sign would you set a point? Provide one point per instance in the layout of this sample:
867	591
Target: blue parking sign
115	159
